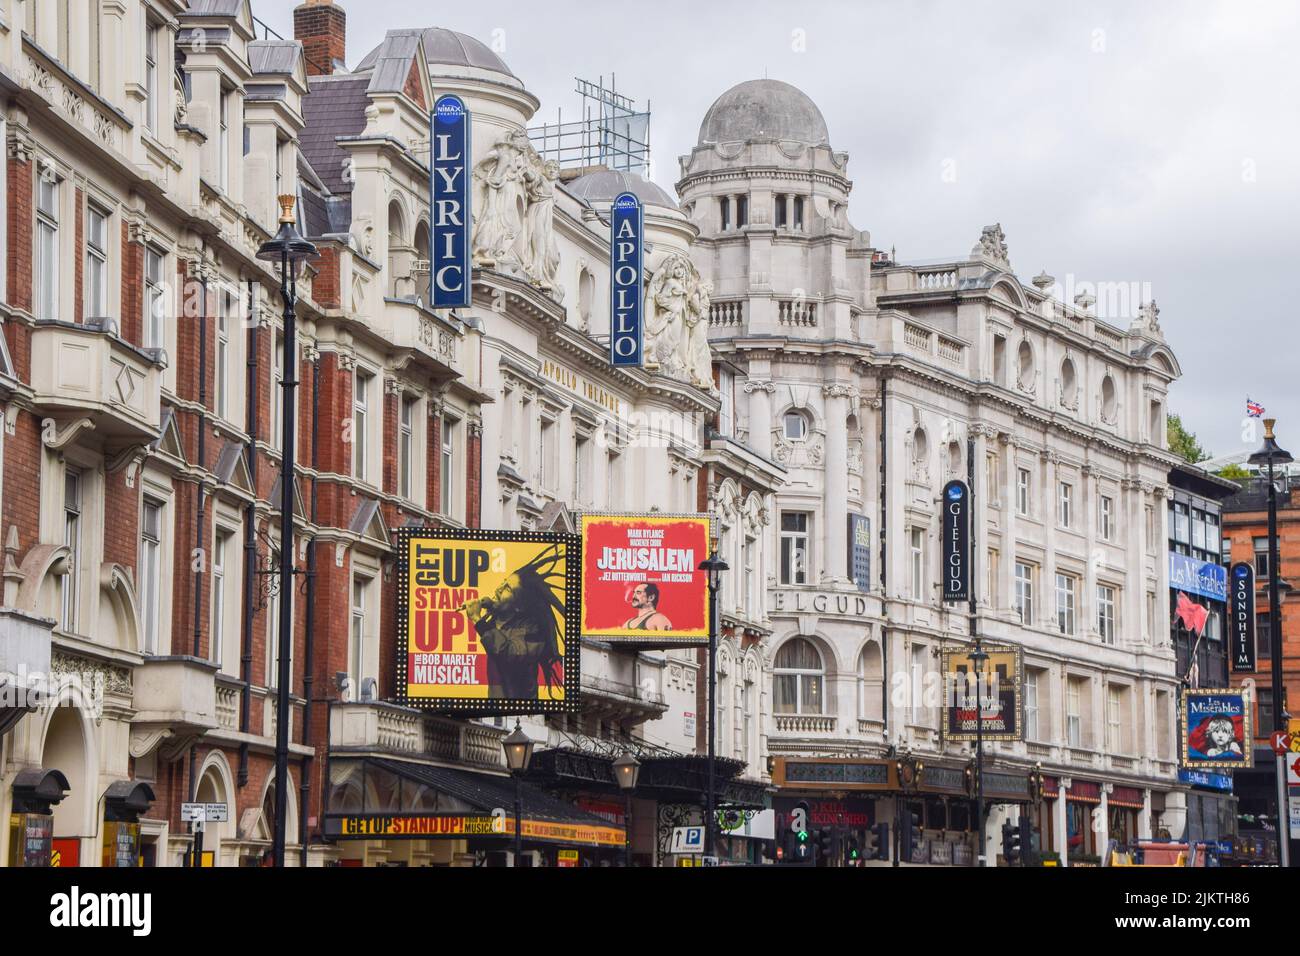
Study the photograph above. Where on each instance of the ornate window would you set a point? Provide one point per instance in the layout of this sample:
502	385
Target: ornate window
799	678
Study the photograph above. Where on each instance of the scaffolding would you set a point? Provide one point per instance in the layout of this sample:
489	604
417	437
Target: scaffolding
612	132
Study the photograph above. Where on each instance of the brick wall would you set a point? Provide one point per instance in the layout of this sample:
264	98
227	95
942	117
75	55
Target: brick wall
433	448
22	479
474	476
132	288
321	27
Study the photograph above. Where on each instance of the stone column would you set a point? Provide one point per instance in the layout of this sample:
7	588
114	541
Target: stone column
1008	568
836	484
1047	504
869	426
1062	827
979	531
760	415
1103	838
1144	818
1087	513
1134	597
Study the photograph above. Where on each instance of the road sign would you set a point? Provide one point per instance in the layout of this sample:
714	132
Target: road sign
199	812
709	861
1293	769
1280	741
688	840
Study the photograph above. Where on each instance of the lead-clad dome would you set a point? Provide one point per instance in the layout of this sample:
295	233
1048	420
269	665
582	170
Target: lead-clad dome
764	109
605	185
447	47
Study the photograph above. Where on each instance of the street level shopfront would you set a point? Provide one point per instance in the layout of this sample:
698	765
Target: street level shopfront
850	796
1092	814
399	813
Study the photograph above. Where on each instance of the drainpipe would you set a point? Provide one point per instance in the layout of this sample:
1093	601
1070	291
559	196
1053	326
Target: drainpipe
308	664
884	577
251	577
202	458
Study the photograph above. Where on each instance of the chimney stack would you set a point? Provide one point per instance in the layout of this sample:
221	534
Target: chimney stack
321	27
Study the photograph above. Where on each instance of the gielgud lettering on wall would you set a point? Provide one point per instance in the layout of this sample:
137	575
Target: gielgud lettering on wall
641	579
487	620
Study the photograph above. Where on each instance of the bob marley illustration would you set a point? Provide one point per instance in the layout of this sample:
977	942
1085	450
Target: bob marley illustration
522	629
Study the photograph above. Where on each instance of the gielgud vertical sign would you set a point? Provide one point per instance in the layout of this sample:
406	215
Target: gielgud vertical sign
956	541
487	621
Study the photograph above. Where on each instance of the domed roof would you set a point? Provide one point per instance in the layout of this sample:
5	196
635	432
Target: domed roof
763	109
605	185
450	48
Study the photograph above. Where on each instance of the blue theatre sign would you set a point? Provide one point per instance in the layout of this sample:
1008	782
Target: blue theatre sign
451	217
626	295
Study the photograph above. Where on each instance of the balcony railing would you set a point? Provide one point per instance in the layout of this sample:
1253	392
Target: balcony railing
805	724
383	726
798	313
727	315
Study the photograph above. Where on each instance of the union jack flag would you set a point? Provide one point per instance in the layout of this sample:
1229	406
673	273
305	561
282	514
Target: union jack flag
1254	409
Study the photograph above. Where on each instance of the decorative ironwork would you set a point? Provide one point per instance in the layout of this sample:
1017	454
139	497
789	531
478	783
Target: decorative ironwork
672	815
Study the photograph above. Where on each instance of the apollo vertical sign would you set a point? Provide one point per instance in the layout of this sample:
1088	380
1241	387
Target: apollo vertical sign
449	204
625	285
956	541
1241	616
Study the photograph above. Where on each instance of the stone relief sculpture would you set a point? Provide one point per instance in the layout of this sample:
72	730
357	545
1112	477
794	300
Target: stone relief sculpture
677	323
514	212
992	244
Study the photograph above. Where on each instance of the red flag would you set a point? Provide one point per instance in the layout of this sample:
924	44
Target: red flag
1191	614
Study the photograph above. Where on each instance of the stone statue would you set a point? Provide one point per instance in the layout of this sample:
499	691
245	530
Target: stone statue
992	244
699	360
677	323
514	212
665	327
541	253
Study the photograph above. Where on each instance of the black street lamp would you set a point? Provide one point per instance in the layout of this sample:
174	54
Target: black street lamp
626	770
1270	454
290	250
519	753
714	566
979	658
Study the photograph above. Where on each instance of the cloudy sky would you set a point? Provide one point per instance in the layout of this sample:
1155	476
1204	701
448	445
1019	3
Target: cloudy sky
1154	144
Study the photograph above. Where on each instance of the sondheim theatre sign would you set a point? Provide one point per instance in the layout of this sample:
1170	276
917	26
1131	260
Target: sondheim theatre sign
795	601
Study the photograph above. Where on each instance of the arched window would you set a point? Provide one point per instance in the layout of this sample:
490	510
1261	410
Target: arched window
1069	384
796	425
399	253
870	682
920	447
1025	370
1109	400
799	678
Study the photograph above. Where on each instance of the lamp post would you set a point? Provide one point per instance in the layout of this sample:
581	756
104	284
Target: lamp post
626	769
979	657
714	566
1270	454
290	250
519	753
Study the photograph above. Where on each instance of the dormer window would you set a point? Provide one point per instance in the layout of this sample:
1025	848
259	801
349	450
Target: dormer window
724	212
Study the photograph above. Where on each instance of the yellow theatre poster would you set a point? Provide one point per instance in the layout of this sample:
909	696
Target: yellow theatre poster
487	620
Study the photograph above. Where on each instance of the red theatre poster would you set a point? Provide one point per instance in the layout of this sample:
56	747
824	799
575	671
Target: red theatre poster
641	580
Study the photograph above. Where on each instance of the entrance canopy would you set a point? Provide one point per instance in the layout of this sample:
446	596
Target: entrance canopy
377	799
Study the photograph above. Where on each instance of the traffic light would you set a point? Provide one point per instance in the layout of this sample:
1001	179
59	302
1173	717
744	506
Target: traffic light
801	849
1011	847
879	842
910	834
1027	855
823	840
852	852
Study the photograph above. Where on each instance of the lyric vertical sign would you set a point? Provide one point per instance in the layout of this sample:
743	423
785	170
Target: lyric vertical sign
1241	616
956	541
625	280
449	204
